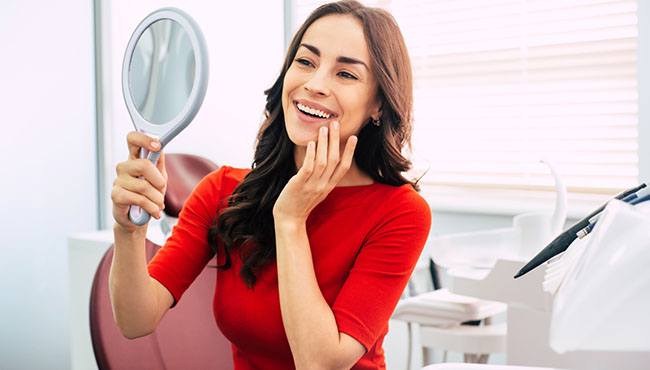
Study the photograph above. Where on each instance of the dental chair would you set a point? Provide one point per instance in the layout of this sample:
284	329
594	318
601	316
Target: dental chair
187	337
439	319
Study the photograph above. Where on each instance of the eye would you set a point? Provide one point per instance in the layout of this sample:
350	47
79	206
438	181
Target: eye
347	75
303	61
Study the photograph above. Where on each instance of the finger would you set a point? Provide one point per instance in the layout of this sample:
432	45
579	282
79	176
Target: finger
152	174
143	187
136	140
308	163
321	153
333	149
123	197
160	165
346	160
142	167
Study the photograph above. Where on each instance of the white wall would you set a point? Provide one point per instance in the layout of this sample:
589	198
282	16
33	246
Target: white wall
643	63
246	51
48	171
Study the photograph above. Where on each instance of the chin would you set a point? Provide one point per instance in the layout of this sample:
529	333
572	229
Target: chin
298	135
299	139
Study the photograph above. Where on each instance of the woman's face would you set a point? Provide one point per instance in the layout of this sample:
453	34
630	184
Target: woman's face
329	79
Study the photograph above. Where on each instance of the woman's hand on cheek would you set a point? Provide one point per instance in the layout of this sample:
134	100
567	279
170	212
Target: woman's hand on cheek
321	170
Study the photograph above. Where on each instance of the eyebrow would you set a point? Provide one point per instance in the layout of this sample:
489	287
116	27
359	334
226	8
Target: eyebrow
340	59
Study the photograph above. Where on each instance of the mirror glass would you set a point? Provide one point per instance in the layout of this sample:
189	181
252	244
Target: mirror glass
161	72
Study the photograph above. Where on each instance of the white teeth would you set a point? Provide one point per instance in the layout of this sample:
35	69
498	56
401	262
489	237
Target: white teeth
313	111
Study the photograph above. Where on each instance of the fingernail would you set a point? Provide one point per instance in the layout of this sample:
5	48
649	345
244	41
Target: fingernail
335	125
155	144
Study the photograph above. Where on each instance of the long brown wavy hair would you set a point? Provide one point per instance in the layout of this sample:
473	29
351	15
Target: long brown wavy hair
248	216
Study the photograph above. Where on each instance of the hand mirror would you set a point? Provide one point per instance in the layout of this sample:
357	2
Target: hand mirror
164	79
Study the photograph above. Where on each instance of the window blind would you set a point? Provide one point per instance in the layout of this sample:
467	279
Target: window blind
500	85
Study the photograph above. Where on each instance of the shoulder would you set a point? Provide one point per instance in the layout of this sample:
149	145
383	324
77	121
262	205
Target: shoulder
399	225
215	187
403	197
406	193
402	206
223	179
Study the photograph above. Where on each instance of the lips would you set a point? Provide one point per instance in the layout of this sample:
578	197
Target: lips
304	117
313	105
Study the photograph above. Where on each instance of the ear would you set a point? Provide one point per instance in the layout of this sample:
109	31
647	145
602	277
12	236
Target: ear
376	109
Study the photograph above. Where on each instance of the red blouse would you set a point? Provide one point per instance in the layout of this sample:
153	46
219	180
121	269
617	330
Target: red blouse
365	241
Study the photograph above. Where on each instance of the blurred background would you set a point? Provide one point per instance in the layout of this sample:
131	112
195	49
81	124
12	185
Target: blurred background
499	85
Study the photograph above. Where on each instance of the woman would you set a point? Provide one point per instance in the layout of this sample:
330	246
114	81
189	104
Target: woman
317	241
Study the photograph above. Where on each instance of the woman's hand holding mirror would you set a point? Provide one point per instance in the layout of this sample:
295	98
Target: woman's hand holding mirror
139	181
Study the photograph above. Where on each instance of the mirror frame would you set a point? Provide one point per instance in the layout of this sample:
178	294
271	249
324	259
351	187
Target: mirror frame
167	131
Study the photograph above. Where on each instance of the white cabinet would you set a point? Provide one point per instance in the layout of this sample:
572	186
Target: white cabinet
85	250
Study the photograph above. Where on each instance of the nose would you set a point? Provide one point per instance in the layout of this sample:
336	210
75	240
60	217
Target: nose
318	84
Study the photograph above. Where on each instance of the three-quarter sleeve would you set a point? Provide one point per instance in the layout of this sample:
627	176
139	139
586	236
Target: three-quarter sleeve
382	269
187	251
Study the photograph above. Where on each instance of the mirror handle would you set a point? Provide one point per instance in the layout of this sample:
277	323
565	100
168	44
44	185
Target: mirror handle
137	215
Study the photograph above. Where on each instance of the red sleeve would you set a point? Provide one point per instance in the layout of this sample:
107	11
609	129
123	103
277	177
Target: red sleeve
187	251
382	269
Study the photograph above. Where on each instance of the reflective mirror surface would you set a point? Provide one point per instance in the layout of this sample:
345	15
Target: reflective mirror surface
161	72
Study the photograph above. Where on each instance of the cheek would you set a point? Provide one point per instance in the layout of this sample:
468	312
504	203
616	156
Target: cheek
356	107
360	99
288	85
290	79
350	125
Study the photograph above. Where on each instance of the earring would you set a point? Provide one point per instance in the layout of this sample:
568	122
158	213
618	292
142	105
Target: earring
376	121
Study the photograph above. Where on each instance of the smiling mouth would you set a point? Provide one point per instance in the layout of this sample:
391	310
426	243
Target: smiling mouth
313	112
